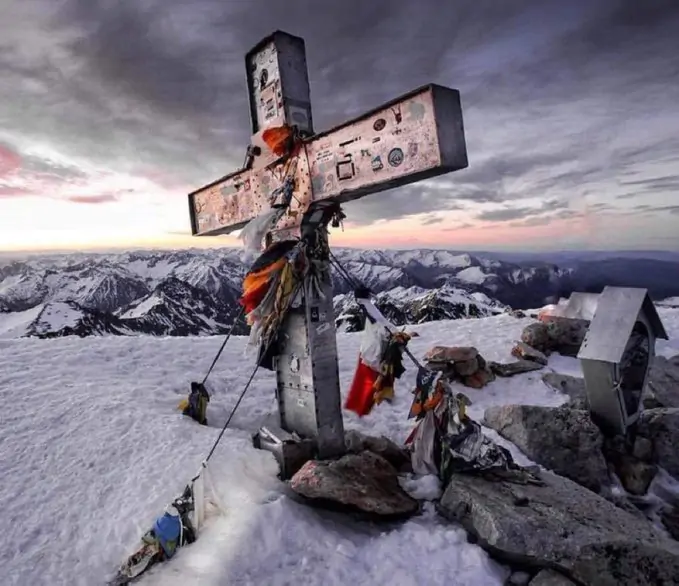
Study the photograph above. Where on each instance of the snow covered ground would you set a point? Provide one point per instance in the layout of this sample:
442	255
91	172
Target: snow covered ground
92	448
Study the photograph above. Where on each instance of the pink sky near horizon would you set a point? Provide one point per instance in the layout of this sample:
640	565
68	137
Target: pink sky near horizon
147	208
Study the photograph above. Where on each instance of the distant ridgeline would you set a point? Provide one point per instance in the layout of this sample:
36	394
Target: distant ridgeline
190	293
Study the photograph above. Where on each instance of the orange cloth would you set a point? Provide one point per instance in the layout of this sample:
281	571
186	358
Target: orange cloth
256	285
278	139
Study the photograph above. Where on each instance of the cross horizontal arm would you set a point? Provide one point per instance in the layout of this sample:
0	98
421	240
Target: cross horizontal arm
417	136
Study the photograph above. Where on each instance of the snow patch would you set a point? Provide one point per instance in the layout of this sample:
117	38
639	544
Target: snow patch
15	324
142	308
472	275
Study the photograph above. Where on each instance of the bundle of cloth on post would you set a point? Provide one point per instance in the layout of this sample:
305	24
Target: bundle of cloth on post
446	441
380	363
268	288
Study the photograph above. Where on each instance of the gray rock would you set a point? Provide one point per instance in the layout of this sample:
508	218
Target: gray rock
365	482
514	368
572	386
561	439
537	336
565	334
563	527
357	442
526	352
663	383
661	426
550	578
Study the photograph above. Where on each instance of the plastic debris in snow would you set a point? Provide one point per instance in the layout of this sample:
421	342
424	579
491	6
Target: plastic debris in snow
179	525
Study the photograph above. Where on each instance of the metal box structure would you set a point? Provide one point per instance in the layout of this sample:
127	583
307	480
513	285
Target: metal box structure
617	353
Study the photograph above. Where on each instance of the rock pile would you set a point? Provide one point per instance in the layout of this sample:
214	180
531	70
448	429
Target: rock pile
464	364
569	528
565	440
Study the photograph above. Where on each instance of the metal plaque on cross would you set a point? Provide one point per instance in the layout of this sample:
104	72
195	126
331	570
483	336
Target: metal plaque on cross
417	136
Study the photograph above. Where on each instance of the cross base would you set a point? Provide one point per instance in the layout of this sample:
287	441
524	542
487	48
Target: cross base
290	453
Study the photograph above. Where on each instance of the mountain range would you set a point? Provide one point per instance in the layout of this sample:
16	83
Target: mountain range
195	292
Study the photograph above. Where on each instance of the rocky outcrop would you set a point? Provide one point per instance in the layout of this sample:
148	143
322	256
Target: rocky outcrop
363	482
561	439
663	383
563	527
661	427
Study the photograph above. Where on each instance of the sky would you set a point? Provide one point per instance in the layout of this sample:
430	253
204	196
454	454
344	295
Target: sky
111	111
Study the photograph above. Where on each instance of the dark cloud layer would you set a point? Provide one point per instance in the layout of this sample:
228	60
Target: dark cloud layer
561	99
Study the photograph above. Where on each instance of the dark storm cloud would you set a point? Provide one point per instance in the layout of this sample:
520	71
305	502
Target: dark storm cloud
559	97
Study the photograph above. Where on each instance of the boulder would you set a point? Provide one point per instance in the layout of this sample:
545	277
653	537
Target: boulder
550	578
514	368
661	427
526	352
565	334
451	354
663	383
398	457
563	527
561	439
572	386
537	336
363	482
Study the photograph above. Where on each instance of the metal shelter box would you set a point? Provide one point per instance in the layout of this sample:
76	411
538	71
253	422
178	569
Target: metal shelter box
617	353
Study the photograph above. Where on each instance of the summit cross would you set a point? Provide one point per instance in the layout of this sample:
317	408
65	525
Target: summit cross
414	137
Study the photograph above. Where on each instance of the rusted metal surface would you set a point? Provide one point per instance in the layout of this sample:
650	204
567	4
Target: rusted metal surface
399	143
233	201
278	84
396	144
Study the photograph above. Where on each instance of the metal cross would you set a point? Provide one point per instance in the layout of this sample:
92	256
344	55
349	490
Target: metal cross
414	137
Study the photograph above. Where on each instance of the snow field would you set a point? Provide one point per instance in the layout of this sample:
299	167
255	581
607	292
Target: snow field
92	449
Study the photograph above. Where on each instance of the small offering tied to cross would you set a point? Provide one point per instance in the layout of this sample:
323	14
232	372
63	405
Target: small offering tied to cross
417	136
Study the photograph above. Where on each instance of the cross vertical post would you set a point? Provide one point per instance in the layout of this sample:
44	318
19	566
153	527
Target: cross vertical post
417	136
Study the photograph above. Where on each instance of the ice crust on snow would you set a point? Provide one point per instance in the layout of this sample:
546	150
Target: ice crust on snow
94	449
